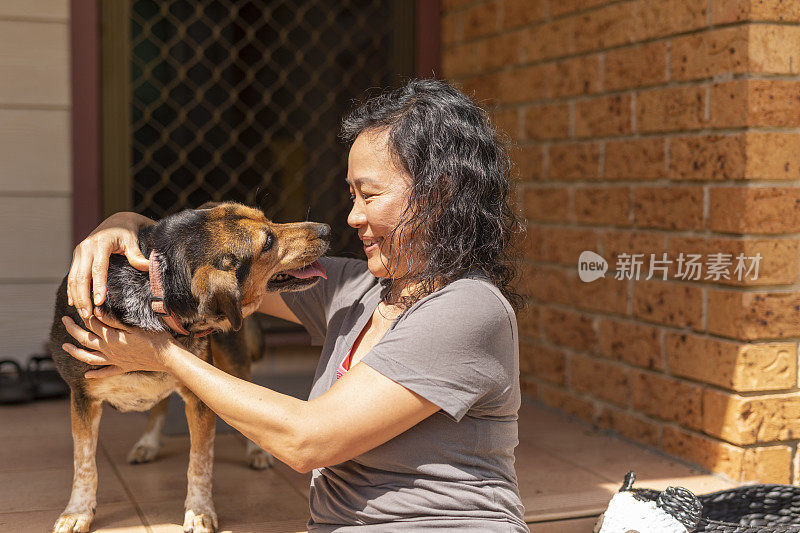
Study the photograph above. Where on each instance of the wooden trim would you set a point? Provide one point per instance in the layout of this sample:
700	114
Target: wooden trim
116	130
85	42
428	47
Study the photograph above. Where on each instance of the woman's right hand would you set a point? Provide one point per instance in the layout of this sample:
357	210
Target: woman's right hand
89	270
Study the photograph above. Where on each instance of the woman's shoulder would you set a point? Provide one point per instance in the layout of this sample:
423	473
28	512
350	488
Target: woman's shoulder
471	301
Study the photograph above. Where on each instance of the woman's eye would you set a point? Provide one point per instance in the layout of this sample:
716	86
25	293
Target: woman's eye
352	197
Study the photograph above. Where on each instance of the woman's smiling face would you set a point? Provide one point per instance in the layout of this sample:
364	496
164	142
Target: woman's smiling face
380	192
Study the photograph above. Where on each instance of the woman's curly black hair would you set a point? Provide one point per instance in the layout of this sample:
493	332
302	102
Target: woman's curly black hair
458	218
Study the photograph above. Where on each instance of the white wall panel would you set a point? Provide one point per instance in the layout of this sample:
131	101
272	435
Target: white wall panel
34	63
26	312
35	237
35	150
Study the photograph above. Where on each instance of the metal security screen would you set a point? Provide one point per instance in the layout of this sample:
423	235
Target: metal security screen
227	97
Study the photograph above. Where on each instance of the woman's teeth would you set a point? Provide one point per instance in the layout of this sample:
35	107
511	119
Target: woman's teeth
367	244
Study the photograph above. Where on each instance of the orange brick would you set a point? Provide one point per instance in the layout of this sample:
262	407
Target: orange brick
550	204
711	454
451	29
774	49
506	122
550	284
675	207
528	161
630	342
666	17
636	66
605	294
577	75
734	365
569	329
608	26
640	242
667	398
529	386
484	89
533	243
754	210
712	157
480	20
668	303
604	116
707	54
772	156
752	316
564	245
778	264
749	420
528	321
569	403
638	159
500	51
456	61
569	6
599	378
768	464
450	5
522	85
633	427
674	108
523	12
543	362
742	10
547	121
603	205
549	40
750	155
579	161
755	103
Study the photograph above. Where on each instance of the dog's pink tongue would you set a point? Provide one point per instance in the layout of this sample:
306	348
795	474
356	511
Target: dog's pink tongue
309	271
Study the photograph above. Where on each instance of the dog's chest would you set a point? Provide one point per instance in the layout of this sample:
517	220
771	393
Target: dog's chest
135	391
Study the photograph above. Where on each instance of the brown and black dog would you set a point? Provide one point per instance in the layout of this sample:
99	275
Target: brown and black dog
207	264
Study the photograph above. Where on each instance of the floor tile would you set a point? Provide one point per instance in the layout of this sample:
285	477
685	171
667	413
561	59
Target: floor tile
114	517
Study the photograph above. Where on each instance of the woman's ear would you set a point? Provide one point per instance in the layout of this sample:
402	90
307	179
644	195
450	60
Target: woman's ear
218	294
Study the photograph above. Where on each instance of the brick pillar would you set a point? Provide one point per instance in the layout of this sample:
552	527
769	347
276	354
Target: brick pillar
654	127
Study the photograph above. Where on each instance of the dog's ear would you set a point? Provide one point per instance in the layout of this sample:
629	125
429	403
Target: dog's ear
218	294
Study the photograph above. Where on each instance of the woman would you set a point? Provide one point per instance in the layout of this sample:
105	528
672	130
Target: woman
412	417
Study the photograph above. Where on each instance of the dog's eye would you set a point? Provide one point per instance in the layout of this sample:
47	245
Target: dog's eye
227	262
268	243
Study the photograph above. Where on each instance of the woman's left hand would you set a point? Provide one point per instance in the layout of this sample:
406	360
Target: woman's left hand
117	347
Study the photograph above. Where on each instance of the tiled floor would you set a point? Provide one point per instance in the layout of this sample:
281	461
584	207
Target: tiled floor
567	472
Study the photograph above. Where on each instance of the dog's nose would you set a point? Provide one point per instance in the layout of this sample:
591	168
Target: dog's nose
324	232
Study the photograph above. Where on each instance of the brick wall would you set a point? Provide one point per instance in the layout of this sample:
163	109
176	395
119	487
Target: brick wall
653	127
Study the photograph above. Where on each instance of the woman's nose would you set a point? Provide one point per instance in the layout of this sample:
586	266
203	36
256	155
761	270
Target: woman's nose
356	217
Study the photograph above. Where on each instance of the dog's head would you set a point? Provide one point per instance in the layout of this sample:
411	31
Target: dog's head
222	257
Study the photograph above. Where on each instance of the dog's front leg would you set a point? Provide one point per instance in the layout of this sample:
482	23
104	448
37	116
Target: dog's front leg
200	516
78	514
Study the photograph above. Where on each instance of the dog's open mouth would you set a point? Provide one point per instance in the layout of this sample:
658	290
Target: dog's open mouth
298	278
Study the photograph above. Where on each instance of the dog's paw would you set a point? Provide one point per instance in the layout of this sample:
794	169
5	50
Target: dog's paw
142	453
200	521
73	523
259	459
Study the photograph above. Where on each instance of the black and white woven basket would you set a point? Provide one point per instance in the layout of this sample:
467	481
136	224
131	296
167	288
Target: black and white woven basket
747	509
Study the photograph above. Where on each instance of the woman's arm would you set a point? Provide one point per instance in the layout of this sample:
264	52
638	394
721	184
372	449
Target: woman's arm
361	411
273	304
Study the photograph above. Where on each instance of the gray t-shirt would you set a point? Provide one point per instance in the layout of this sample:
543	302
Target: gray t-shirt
458	348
